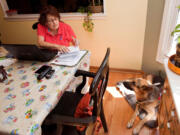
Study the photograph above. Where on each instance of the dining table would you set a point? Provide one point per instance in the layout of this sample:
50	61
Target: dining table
26	101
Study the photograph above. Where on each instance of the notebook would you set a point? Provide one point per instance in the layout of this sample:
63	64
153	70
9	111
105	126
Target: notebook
69	59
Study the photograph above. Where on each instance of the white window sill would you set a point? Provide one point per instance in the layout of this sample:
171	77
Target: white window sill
173	80
64	16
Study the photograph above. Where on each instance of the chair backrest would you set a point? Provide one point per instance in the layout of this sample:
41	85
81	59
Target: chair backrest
35	25
99	84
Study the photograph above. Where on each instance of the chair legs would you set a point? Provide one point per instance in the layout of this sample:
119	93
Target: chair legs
103	120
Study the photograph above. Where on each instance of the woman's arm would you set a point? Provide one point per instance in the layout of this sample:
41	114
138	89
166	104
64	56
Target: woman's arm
75	42
42	43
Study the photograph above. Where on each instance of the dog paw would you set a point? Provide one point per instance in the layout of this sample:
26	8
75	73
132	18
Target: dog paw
130	124
135	131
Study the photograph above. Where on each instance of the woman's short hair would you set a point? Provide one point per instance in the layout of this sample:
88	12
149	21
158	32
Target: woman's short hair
48	10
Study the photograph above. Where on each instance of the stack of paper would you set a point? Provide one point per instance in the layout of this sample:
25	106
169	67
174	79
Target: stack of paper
73	49
6	62
71	58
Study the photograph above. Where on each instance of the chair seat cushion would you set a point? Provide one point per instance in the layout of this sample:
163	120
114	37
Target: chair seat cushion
68	103
83	109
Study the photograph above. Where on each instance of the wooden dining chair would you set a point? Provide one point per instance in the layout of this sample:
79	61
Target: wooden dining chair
3	74
66	111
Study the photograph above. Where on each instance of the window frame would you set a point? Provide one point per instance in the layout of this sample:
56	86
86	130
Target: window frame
64	16
169	21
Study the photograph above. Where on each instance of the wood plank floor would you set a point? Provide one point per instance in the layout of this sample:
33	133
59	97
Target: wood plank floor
117	110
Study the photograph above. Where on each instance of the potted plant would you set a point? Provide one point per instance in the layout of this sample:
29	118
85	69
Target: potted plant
95	6
174	60
176	57
88	24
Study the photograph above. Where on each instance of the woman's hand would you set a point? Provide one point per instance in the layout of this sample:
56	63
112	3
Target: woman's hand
44	44
62	49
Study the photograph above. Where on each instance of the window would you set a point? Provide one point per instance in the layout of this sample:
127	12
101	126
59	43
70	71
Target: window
167	43
174	41
31	8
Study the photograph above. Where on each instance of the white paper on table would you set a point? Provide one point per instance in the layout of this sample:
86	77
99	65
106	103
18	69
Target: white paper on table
7	62
69	59
71	49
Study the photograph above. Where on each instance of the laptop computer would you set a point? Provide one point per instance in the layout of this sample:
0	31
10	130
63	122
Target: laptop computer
30	52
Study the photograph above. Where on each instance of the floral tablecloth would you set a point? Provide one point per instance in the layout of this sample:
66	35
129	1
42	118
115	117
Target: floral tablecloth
25	101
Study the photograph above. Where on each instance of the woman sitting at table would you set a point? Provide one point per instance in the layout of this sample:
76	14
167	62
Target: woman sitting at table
52	33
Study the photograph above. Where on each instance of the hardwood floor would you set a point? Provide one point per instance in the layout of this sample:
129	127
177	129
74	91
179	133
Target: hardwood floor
117	110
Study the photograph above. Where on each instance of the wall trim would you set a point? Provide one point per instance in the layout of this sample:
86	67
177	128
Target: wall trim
64	16
94	68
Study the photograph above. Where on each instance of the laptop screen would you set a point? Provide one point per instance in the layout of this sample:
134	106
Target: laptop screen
29	52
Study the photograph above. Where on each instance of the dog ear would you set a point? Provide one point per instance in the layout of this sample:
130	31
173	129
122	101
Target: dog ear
147	88
128	85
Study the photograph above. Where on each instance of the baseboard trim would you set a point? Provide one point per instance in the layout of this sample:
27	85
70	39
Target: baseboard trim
94	68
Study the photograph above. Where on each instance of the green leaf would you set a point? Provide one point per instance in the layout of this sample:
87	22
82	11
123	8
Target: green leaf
177	27
175	31
88	24
89	13
178	39
81	10
178	7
